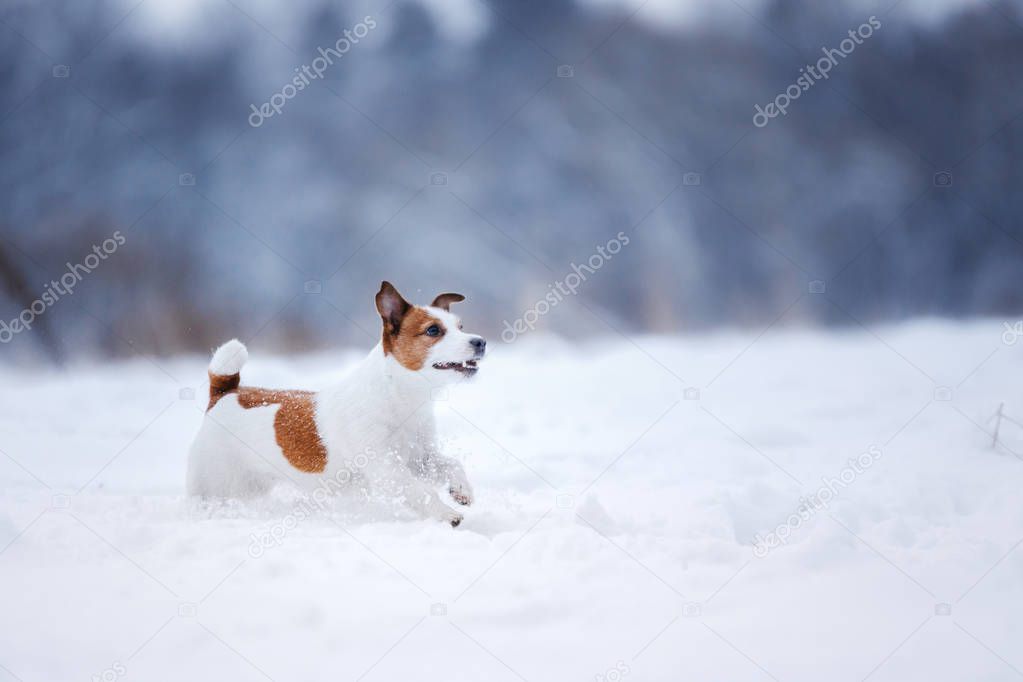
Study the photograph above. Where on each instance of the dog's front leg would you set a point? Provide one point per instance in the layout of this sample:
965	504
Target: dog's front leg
452	472
438	468
423	499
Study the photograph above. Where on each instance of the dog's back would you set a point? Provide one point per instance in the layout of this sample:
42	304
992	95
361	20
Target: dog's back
249	434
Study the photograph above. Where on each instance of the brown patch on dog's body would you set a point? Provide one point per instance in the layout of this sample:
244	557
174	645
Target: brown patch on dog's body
221	384
294	423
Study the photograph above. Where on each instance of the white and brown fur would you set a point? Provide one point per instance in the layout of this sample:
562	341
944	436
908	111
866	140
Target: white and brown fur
376	424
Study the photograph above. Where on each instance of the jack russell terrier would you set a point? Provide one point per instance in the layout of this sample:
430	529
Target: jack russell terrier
375	426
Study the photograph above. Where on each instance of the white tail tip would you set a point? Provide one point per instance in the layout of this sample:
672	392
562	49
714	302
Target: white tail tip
229	358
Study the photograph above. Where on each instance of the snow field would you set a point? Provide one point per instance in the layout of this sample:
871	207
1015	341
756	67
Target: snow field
611	537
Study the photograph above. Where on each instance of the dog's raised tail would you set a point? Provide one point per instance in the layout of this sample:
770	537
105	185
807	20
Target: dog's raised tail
225	368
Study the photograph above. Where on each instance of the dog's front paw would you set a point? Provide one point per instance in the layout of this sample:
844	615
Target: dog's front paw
452	517
462	494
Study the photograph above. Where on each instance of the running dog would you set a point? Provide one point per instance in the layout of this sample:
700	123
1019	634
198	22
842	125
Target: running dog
376	425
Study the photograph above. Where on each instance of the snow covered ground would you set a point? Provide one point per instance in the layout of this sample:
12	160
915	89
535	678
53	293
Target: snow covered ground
611	539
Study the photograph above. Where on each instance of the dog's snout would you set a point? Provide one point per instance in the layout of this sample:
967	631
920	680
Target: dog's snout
479	344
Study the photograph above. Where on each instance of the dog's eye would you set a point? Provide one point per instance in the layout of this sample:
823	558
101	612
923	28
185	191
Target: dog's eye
433	330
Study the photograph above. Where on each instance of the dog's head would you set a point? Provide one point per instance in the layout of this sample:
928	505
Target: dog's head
428	338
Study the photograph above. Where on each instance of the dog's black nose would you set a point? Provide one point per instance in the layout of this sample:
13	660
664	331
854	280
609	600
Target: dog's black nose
479	344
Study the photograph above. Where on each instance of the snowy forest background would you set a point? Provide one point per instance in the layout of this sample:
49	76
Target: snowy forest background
341	188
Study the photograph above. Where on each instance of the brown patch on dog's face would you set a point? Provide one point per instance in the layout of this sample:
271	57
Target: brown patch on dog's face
294	423
409	331
418	333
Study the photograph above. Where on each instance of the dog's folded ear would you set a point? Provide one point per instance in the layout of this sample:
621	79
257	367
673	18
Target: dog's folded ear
444	301
391	306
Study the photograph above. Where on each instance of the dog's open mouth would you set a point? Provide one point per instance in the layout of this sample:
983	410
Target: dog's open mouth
468	368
